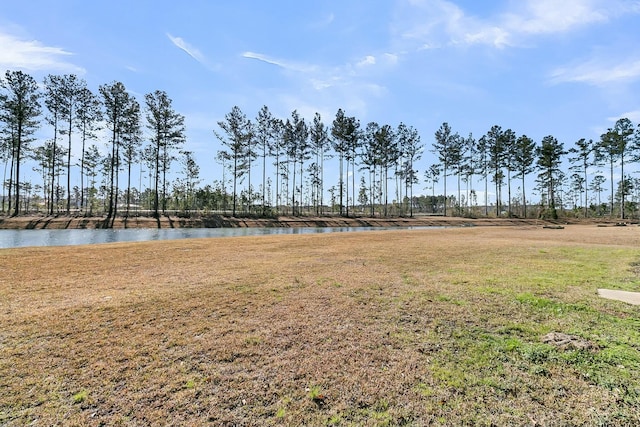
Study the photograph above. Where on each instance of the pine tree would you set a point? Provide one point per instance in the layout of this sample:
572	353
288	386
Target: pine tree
116	101
265	134
582	159
319	139
524	151
496	153
624	136
549	158
409	141
89	114
168	134
387	144
237	133
131	140
70	92
609	149
444	148
346	139
508	142
53	100
19	110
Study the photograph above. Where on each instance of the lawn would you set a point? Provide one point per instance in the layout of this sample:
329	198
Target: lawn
407	327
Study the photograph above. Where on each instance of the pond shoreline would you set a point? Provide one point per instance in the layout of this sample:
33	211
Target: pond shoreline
220	221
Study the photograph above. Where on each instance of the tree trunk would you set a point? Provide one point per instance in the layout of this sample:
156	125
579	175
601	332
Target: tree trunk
341	183
277	181
13	159
347	188
69	162
509	192
293	190
18	150
53	161
235	175
82	207
128	188
110	212
612	193
353	181
622	187
321	182
264	177
586	193
445	189
524	197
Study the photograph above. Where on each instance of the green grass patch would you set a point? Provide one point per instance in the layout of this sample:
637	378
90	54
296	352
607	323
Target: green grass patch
80	397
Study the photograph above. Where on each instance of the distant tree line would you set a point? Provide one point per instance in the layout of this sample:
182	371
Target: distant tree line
274	165
73	110
298	151
386	156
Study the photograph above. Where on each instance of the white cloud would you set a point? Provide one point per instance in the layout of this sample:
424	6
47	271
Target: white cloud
324	88
287	65
495	36
437	22
321	84
391	58
187	48
326	21
385	59
368	60
263	58
598	72
634	116
551	16
32	55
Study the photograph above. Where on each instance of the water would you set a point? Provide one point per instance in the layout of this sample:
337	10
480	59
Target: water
22	238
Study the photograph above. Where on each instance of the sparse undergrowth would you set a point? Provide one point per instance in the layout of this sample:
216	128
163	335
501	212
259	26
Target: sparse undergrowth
413	327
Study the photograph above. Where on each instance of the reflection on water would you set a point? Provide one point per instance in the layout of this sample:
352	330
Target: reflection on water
21	238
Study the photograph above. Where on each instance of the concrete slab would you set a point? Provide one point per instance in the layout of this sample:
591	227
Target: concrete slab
625	296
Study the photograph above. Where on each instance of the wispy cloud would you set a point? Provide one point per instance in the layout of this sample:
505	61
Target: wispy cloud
551	16
33	55
432	24
287	65
190	50
598	72
324	22
436	22
383	60
348	85
634	116
368	60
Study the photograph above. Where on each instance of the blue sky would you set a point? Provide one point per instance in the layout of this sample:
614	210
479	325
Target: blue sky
540	67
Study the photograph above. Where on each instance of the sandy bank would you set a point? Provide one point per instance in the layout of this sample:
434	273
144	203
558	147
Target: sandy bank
219	221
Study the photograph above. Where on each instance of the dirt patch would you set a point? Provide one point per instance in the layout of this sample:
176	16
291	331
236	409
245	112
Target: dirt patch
568	342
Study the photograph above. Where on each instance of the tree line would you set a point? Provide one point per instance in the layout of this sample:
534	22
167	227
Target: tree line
297	147
501	156
384	154
73	110
289	155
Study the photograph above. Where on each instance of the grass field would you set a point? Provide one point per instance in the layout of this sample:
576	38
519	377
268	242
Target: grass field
407	327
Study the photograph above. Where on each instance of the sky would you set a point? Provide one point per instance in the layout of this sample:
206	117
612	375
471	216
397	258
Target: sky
566	68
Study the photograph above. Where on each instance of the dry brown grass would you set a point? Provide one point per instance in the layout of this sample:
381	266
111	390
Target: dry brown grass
413	327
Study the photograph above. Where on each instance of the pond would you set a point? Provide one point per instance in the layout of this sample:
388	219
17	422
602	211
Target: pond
22	238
